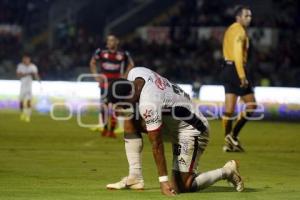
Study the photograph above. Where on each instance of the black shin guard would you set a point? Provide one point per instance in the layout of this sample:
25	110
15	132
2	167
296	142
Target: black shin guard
240	124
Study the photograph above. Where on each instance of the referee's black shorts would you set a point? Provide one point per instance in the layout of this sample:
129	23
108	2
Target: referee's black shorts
231	81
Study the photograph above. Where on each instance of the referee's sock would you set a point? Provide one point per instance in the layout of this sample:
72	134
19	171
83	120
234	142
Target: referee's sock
227	122
240	124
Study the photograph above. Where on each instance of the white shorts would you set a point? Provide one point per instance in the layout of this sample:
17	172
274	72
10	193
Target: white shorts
25	94
188	145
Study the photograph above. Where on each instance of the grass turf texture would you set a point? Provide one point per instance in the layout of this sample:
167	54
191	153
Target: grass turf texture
48	159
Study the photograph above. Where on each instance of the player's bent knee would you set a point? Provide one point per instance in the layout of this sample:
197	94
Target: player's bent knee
130	126
132	135
183	181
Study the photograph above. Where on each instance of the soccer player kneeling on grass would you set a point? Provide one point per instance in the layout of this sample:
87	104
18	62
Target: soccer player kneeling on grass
156	99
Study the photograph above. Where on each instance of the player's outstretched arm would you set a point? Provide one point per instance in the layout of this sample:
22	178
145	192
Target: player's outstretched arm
155	138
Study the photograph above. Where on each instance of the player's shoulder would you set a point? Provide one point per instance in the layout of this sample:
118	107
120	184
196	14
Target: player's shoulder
97	53
33	68
20	65
139	70
32	65
98	50
239	29
236	27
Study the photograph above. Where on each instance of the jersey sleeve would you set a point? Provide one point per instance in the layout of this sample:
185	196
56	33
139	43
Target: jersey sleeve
133	74
138	72
34	69
130	75
239	41
152	116
97	54
19	68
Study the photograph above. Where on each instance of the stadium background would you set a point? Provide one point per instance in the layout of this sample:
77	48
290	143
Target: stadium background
179	39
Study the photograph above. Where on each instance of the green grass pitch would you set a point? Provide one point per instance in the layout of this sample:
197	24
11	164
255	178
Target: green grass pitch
48	159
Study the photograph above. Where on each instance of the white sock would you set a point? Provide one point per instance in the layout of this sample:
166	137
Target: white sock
133	148
208	178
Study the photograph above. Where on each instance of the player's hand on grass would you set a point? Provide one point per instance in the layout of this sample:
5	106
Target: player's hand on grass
244	82
167	189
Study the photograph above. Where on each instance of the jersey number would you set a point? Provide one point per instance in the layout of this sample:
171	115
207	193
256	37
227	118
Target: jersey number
176	149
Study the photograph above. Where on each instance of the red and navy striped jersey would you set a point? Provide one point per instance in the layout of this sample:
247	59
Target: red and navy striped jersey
112	64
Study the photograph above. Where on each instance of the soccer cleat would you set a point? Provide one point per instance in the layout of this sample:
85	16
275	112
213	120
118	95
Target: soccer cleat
27	119
127	183
22	117
96	128
106	133
227	148
111	134
234	176
232	145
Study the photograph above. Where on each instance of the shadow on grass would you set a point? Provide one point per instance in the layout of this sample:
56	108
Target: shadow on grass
213	189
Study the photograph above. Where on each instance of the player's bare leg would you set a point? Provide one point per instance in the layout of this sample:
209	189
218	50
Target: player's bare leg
133	148
25	106
104	110
111	122
227	119
27	110
22	105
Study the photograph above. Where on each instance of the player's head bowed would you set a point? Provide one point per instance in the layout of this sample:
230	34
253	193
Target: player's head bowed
120	90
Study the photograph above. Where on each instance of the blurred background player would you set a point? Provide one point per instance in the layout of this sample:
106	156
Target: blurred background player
236	78
113	64
26	71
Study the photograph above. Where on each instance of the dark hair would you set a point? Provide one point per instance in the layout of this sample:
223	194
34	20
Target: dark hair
117	89
239	9
26	54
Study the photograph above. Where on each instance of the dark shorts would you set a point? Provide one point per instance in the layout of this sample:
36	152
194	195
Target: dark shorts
231	81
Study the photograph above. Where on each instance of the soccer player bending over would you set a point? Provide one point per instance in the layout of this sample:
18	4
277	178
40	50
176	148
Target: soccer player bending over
158	100
26	70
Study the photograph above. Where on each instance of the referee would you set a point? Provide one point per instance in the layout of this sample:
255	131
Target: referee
236	79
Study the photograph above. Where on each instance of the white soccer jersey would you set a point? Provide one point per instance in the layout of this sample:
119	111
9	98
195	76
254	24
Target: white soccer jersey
189	135
26	81
159	95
